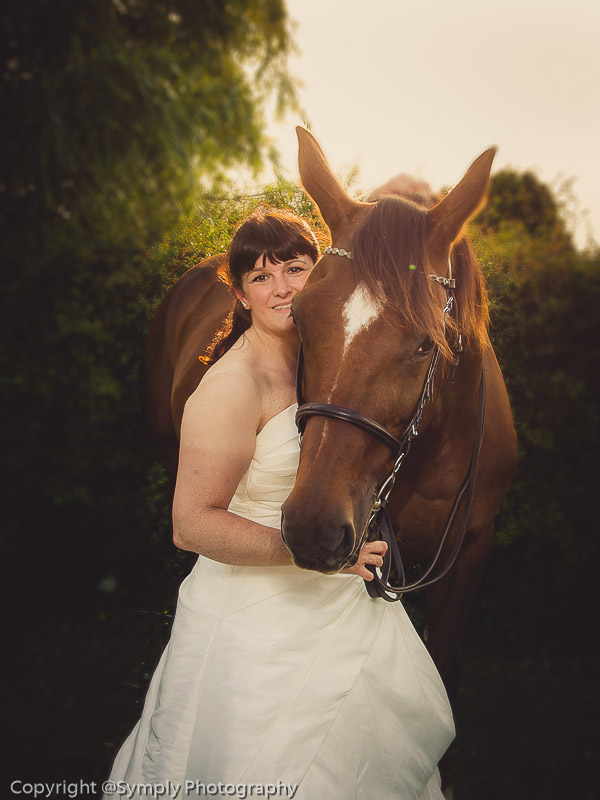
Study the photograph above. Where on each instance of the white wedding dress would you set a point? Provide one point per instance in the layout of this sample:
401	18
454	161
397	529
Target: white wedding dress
277	674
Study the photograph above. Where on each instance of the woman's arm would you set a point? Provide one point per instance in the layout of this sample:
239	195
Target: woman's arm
218	439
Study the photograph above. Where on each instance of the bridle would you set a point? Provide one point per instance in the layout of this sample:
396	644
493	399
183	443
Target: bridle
379	524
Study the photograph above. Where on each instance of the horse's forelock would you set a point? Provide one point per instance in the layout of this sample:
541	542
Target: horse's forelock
389	255
471	294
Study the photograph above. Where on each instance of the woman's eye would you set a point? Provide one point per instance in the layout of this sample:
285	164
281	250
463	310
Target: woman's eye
425	347
259	279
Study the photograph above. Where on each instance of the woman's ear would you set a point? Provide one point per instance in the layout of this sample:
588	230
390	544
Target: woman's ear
241	298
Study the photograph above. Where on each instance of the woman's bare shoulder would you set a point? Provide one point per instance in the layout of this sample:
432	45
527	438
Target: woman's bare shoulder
230	371
229	395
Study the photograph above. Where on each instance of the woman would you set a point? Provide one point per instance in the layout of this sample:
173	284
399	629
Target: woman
276	675
252	382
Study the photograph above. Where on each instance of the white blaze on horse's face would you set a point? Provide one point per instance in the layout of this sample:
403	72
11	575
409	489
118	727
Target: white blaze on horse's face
359	311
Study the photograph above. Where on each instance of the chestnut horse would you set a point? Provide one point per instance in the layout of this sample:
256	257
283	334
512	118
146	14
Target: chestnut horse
183	327
369	324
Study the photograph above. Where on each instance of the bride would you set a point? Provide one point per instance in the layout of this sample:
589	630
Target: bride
275	676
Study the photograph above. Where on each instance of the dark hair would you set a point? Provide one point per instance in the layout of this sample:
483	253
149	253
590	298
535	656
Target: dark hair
273	234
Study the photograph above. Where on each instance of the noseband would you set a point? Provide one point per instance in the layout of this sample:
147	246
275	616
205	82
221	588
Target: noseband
379	524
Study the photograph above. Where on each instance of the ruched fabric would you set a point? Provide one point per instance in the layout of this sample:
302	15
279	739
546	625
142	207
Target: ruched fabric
284	675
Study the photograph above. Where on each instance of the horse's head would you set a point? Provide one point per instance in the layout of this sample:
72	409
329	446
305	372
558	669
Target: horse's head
369	325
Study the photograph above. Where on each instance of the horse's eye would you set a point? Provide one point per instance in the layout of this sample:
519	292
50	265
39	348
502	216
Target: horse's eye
425	347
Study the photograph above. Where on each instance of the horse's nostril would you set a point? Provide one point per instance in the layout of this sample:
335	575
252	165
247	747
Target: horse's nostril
347	543
326	548
336	540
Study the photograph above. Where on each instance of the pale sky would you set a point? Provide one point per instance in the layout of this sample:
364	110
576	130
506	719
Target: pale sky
424	86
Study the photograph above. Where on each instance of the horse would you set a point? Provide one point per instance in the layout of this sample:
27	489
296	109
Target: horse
182	328
372	317
371	320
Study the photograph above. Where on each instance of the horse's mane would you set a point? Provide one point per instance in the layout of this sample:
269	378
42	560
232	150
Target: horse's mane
394	237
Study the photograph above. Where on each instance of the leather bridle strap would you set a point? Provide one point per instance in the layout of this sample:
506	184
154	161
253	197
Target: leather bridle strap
379	522
379	587
337	412
398	445
347	415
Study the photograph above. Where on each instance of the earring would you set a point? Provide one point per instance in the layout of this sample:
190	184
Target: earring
244	303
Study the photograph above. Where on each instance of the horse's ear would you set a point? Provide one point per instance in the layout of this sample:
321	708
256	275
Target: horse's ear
335	205
448	217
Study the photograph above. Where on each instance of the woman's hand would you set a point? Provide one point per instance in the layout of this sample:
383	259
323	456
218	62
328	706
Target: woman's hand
370	553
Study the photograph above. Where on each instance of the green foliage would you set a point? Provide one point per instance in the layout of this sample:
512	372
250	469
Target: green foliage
115	113
109	106
78	422
522	200
209	228
544	298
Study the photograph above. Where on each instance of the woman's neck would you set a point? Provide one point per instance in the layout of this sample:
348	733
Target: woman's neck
278	351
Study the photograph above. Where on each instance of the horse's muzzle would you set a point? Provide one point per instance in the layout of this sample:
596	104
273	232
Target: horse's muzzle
326	548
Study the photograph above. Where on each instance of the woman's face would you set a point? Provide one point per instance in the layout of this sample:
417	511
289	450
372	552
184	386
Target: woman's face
268	291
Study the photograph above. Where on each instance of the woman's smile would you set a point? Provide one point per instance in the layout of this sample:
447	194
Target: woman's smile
270	287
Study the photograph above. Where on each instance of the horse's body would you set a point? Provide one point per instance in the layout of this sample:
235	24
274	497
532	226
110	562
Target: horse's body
183	327
361	355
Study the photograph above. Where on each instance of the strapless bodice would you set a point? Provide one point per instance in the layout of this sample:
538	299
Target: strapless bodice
270	477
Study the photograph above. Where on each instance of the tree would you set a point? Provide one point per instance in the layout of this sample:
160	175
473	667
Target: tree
112	107
543	300
115	111
522	199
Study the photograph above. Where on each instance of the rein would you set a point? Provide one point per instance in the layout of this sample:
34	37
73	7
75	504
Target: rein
379	524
